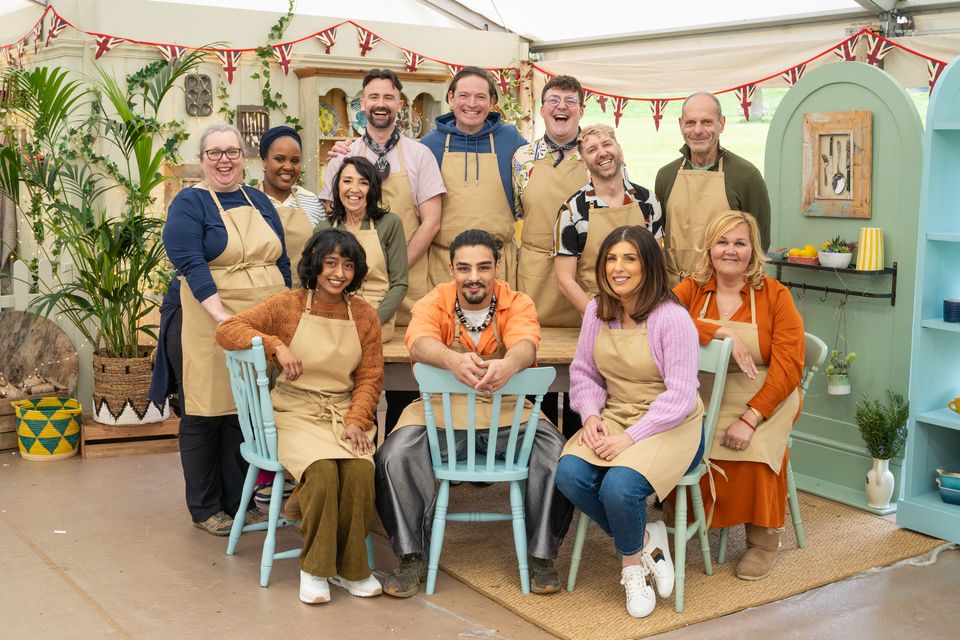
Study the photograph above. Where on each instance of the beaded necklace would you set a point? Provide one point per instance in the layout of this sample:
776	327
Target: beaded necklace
486	320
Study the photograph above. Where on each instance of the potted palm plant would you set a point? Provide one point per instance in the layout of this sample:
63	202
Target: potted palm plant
838	372
883	427
108	258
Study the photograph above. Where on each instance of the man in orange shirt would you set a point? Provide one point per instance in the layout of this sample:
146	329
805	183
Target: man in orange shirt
483	332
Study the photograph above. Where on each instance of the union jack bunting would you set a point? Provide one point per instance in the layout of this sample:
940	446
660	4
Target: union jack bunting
454	69
602	99
502	78
20	50
847	50
657	106
229	60
412	59
745	98
282	53
877	48
35	34
171	52
8	54
106	43
618	106
368	40
587	94
792	76
934	69
58	25
328	37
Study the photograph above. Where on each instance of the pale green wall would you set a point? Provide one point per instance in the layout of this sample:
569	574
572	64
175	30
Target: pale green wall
828	454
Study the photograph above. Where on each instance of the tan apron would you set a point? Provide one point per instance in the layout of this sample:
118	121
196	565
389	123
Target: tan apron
297	229
477	202
377	282
633	382
770	439
398	198
310	410
413	414
245	274
602	221
548	189
696	199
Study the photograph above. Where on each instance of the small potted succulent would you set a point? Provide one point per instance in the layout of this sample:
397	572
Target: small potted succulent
883	427
836	253
838	372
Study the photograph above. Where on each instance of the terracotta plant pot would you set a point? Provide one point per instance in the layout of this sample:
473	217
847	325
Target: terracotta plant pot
838	385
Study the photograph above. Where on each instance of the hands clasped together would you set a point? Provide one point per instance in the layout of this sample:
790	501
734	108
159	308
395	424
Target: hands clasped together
596	436
487	376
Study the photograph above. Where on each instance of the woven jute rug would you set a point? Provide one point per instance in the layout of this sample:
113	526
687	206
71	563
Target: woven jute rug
840	542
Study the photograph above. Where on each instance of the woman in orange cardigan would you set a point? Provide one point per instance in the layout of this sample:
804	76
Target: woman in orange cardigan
730	296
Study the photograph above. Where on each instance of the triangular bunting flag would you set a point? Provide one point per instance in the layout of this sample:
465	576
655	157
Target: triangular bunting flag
368	40
934	69
877	48
454	69
657	106
35	34
618	106
745	98
58	25
603	102
106	43
229	60
282	53
792	76
587	94
328	37
171	52
20	48
847	50
413	60
502	78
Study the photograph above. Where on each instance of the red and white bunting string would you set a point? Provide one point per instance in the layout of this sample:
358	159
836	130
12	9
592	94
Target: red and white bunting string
934	69
657	107
745	98
587	94
106	43
502	78
877	49
35	34
454	69
282	53
230	61
618	105
20	52
792	76
847	50
368	40
171	51
328	37
602	99
57	25
413	60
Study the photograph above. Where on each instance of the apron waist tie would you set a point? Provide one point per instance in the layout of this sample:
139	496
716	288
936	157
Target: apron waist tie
242	266
711	468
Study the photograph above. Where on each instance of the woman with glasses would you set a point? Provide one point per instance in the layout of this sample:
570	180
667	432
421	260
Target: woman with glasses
226	243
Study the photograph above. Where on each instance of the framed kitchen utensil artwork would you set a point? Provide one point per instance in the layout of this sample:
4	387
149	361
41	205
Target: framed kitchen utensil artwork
837	164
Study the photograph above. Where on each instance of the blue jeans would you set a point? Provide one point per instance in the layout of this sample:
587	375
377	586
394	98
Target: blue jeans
613	497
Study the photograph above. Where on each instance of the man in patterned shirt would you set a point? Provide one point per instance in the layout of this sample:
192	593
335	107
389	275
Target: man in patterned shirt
607	201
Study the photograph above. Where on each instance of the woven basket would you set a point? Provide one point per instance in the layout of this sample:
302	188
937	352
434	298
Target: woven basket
48	428
120	388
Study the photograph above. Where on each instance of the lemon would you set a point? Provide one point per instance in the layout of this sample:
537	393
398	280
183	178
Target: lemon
794	252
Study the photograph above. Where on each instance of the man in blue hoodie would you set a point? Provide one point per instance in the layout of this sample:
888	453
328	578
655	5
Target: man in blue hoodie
474	149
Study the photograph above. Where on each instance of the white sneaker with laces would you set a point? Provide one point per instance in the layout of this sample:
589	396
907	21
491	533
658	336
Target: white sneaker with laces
313	589
366	588
662	568
641	598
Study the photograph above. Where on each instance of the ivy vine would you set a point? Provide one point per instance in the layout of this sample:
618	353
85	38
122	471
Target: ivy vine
273	100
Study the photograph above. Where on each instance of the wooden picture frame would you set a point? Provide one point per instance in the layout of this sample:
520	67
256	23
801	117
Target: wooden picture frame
837	164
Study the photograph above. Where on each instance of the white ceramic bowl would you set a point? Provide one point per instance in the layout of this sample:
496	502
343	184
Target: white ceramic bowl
834	260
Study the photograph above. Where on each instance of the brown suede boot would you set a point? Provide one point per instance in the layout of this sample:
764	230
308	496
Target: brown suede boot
762	550
291	506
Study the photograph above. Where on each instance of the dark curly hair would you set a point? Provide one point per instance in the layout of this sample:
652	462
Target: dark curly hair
322	244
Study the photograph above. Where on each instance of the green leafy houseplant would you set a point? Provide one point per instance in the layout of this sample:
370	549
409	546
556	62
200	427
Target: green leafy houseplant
883	425
838	245
839	363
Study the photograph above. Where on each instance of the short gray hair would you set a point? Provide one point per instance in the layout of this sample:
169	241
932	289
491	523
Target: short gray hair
219	127
716	101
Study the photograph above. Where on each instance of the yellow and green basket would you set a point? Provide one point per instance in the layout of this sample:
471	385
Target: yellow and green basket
48	428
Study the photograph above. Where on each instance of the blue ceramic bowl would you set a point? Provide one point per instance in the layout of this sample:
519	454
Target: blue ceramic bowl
951	496
948	479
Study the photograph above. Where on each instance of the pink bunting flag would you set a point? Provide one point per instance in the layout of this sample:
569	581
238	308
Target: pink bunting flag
877	48
368	40
792	76
745	98
328	37
934	69
282	53
412	59
657	107
106	43
847	50
171	52
56	26
618	106
230	61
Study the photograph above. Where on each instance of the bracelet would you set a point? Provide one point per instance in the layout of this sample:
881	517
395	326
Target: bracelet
752	426
757	413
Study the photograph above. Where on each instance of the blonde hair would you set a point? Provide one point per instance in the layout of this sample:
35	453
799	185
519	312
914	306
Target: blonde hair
595	130
720	225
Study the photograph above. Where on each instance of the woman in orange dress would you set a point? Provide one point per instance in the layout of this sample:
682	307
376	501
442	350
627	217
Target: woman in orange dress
730	295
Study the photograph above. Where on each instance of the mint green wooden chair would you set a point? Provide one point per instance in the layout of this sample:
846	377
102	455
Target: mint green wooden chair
513	468
713	359
250	383
814	353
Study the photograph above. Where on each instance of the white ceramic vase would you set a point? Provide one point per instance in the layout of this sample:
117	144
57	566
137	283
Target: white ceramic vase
879	484
838	385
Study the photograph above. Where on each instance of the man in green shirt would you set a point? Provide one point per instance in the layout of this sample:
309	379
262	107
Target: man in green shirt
704	182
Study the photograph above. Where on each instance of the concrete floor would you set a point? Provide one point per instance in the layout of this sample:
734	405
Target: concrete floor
104	549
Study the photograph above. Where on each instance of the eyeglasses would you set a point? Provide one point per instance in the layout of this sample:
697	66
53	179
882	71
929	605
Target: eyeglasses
214	155
554	101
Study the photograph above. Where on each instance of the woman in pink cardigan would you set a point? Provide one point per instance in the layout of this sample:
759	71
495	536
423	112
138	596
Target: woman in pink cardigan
633	380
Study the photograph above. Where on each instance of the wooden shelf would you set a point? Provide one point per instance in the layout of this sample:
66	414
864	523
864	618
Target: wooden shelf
941	418
940	325
928	514
892	271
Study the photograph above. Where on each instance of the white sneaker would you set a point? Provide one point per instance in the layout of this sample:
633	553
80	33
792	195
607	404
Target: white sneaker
313	589
662	568
366	588
640	596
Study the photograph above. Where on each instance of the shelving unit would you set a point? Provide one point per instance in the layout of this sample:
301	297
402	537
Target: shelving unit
851	271
934	438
